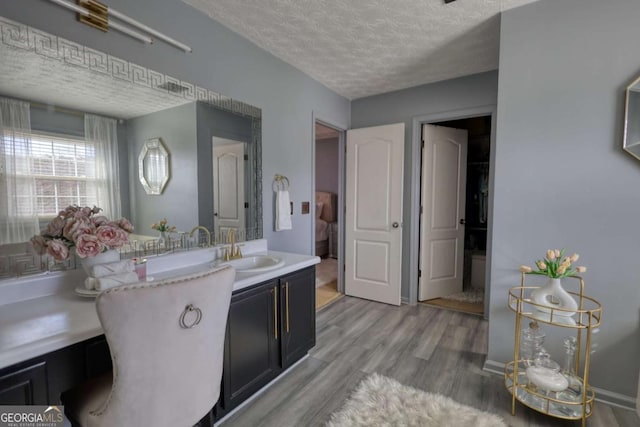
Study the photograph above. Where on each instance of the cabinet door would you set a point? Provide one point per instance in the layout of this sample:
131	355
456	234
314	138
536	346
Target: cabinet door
298	318
24	386
252	353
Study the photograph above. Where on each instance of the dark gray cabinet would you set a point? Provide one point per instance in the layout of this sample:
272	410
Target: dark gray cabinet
298	315
41	380
252	351
24	385
270	327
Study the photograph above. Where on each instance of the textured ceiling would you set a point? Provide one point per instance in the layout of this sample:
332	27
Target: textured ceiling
360	48
29	75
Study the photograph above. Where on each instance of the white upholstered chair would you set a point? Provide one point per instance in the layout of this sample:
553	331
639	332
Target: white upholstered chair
167	344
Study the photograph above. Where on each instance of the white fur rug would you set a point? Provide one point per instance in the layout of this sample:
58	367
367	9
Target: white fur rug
472	295
381	401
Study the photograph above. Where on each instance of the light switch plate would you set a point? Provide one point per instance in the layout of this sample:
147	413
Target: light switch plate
305	208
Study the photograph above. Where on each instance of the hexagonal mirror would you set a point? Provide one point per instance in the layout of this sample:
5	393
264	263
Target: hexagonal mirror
631	141
153	166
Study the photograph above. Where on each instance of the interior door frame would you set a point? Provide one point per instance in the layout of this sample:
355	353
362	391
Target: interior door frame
341	128
416	168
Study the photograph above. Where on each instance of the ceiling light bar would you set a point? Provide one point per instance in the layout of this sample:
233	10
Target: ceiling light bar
103	23
139	25
123	29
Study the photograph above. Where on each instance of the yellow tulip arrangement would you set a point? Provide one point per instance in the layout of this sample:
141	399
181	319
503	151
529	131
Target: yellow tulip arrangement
555	265
163	226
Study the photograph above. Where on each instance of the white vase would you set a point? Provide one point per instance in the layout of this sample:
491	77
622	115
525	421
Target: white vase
105	257
163	239
554	296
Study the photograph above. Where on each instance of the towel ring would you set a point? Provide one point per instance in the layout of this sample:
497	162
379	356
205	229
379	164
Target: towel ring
279	182
188	309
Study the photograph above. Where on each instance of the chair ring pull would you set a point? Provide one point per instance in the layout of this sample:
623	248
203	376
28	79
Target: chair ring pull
188	309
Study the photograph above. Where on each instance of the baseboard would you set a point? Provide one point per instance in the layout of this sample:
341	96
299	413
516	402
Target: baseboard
404	300
615	399
605	396
493	367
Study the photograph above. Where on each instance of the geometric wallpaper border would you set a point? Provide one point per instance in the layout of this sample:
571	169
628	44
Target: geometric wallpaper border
24	37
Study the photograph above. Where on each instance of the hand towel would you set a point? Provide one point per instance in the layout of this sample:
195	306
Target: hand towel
106	282
109	269
283	211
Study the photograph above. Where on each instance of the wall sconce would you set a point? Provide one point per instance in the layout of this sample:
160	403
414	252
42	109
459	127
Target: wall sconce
96	14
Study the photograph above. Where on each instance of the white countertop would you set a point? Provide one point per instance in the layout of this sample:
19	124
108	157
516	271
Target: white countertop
39	325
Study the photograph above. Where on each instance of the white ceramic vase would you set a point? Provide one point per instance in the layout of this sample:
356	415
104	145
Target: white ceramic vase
163	239
105	257
554	296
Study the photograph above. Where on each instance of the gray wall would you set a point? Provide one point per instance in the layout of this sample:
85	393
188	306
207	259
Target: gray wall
327	162
402	106
179	200
561	177
225	62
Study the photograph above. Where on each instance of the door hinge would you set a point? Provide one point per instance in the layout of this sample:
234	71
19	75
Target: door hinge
423	143
419	273
246	205
246	157
421	209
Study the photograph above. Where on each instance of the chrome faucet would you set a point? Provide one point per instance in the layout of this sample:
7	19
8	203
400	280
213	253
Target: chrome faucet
200	227
234	251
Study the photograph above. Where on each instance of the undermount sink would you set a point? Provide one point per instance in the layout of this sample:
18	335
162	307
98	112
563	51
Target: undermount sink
254	263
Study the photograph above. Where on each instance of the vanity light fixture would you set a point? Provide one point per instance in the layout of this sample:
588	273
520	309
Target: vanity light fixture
96	14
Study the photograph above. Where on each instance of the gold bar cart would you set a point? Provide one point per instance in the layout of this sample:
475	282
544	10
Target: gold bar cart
586	319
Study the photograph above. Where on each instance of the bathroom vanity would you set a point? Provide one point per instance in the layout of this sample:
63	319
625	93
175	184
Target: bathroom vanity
53	341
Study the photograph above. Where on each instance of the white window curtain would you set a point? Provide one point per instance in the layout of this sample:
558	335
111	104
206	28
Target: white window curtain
103	133
18	213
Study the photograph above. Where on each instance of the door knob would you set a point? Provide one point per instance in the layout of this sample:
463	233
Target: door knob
462	221
395	225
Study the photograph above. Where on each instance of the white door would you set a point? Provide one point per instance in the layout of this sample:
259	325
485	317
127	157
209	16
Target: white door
444	180
228	186
373	218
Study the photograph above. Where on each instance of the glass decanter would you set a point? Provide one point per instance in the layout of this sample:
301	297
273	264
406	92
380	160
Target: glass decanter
531	344
573	393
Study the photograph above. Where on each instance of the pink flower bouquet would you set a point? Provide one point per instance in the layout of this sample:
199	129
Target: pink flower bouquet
84	229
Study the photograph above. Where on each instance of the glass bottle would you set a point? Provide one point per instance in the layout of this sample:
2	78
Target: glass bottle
574	392
531	344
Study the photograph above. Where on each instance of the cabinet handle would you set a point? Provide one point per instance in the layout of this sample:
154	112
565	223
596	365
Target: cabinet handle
275	311
286	300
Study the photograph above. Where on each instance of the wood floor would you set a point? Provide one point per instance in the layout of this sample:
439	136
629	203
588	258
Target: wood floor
428	348
476	308
326	294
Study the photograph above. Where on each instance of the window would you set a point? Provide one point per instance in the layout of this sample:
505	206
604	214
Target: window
63	170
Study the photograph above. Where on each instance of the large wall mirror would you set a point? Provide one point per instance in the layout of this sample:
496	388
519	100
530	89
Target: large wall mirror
63	80
631	141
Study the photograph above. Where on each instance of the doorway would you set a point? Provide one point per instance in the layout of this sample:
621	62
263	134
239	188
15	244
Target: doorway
329	143
471	297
